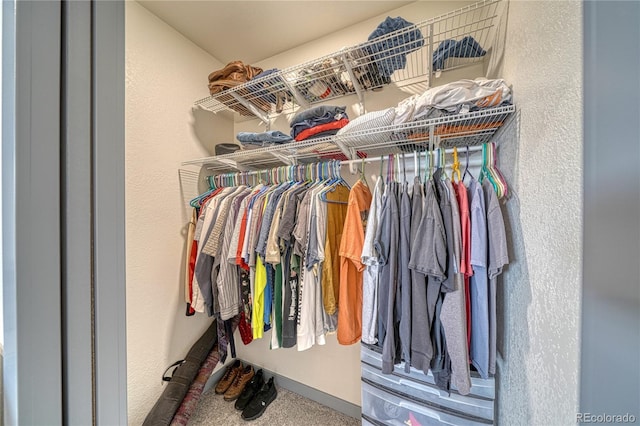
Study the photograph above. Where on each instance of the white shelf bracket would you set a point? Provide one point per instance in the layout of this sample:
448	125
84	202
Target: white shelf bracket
300	100
255	111
350	153
429	54
229	163
354	81
286	159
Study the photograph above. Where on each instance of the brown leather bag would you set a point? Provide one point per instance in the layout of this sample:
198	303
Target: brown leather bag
233	74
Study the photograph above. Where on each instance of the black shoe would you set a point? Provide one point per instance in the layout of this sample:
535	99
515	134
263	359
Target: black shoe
250	390
261	401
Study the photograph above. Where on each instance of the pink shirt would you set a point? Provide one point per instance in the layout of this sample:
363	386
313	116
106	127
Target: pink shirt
465	252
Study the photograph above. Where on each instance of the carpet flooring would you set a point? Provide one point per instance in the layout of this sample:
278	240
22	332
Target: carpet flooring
288	409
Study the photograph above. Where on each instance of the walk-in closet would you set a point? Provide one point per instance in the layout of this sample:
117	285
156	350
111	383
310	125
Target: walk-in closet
330	124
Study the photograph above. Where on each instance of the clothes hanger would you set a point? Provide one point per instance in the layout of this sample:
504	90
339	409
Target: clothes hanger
455	170
392	164
483	167
484	171
503	181
441	163
497	175
404	168
427	168
389	168
466	167
363	177
336	180
497	186
195	203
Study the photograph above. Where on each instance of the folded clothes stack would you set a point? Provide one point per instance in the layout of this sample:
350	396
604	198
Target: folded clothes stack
461	96
264	138
320	121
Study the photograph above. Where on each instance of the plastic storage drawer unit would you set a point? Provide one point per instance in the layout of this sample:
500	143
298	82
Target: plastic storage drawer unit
484	388
429	394
389	408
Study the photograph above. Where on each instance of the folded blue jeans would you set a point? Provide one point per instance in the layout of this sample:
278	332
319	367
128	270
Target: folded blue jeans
317	112
272	136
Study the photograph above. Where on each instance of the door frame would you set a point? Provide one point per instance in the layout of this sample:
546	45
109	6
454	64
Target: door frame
63	212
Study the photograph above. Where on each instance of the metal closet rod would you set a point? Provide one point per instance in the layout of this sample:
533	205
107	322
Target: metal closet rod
408	155
461	151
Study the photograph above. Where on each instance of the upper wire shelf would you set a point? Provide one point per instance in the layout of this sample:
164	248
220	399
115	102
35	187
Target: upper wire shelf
407	56
468	129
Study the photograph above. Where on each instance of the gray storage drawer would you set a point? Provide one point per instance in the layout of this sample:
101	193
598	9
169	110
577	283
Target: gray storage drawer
430	394
389	408
366	422
483	388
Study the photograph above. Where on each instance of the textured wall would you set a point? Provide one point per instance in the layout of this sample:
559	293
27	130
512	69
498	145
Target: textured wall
165	73
541	156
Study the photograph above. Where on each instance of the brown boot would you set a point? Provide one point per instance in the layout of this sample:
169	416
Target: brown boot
229	376
239	383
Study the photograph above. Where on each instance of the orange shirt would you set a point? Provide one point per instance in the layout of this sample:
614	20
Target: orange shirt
350	308
336	216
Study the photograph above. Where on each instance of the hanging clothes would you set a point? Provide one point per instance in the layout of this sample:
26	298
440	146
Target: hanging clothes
479	349
454	307
428	257
498	257
369	258
336	205
351	266
465	252
404	275
386	243
411	267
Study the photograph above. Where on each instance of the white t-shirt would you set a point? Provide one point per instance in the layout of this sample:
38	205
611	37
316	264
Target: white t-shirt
370	274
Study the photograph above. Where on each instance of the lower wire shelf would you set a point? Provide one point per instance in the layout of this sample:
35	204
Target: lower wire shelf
469	129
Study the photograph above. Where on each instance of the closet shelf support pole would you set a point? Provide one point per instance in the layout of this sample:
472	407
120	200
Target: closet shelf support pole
255	111
289	160
432	137
350	153
229	163
429	54
354	81
300	100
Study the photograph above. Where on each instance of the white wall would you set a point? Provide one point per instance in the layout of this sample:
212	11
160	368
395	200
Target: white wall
541	293
165	73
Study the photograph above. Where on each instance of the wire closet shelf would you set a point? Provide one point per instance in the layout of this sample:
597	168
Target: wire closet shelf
408	56
458	130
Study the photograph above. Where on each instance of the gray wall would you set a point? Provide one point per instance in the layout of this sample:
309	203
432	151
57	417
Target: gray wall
610	362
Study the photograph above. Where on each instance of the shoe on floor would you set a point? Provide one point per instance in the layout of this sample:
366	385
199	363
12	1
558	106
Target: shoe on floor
261	401
229	376
239	383
250	390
